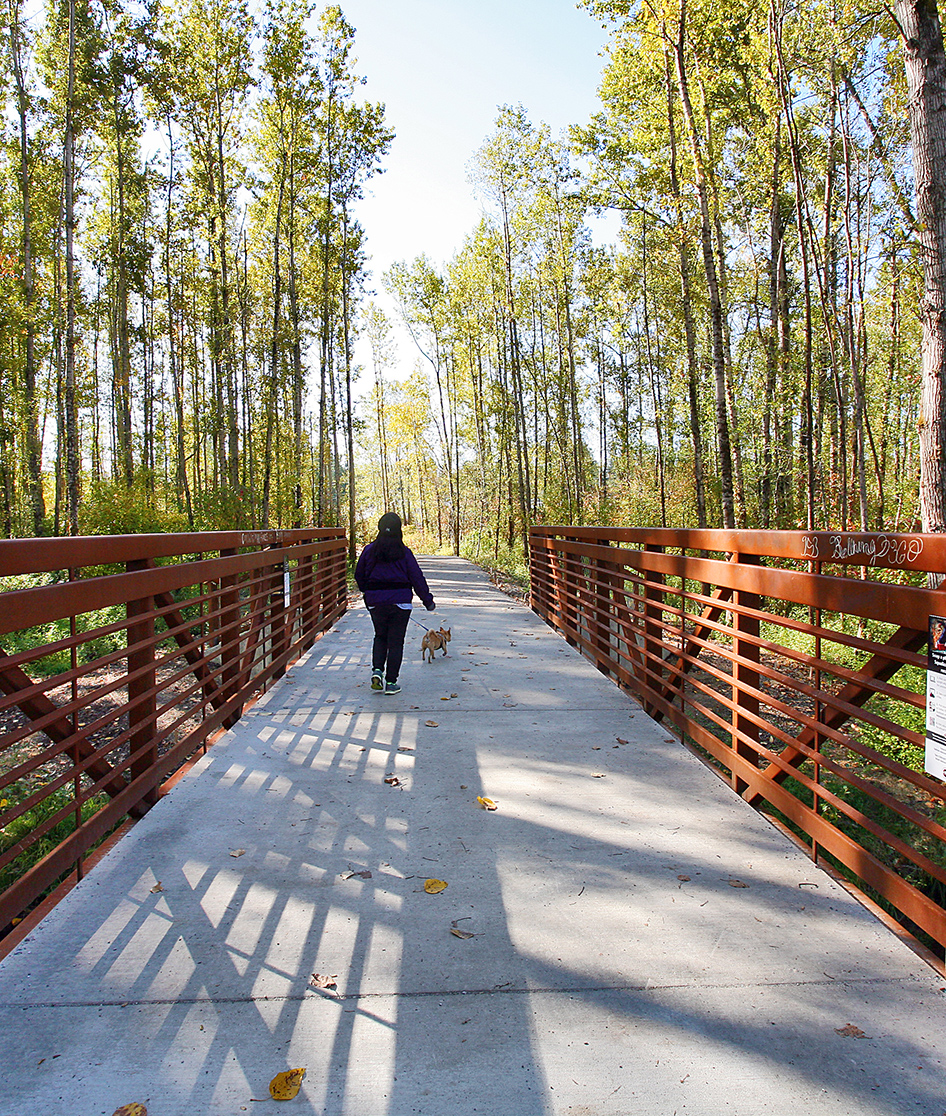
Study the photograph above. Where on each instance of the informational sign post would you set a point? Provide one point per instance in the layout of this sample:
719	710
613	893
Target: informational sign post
935	762
285	583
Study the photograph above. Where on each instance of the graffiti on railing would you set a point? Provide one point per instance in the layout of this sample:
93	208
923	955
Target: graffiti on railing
893	551
261	538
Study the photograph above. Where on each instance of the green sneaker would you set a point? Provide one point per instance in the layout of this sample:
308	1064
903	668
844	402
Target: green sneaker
377	680
392	688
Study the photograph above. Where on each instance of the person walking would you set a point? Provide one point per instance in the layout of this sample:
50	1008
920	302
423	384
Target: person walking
388	575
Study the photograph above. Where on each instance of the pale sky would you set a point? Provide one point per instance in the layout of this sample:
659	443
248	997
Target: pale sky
442	67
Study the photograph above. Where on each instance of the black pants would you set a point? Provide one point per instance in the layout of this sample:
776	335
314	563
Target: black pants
390	627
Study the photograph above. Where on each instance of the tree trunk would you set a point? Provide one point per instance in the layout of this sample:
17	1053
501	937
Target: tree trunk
33	444
926	81
709	264
71	403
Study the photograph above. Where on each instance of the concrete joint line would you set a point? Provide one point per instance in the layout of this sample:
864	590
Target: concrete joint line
501	990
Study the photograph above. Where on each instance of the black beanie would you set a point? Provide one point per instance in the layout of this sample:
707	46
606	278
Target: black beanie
389	526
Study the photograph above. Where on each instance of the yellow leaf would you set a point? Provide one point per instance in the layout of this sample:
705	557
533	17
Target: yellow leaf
285	1085
850	1031
157	888
324	983
133	1109
434	887
432	724
458	933
486	803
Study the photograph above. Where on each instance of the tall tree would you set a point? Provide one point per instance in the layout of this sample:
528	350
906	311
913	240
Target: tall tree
925	61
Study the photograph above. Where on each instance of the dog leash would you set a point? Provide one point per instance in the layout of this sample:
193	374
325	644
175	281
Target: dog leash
424	626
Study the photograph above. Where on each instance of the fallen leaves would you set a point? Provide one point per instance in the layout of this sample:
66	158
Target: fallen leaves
133	1109
486	803
432	724
285	1086
621	741
392	780
434	887
736	883
237	852
598	775
324	983
850	1031
157	888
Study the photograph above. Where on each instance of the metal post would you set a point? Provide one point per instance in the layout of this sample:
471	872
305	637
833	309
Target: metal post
142	680
745	674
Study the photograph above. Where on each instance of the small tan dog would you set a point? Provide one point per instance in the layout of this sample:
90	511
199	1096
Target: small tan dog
434	641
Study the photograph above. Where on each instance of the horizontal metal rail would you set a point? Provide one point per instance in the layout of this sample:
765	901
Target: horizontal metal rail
791	662
120	657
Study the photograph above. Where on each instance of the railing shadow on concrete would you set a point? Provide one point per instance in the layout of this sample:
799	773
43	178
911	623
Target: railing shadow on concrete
229	946
120	657
791	663
197	976
250	948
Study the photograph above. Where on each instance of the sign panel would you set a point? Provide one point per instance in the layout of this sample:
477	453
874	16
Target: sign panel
935	762
285	582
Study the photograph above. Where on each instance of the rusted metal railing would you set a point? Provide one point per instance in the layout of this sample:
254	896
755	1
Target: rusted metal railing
792	663
119	657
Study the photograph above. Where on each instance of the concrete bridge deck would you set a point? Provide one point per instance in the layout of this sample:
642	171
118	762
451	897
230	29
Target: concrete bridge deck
643	941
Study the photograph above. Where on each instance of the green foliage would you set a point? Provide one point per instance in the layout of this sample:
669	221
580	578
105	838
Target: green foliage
486	550
22	827
114	508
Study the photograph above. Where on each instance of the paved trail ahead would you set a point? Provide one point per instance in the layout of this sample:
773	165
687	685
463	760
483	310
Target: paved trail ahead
644	942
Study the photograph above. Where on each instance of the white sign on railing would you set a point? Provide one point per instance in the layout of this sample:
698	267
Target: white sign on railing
935	758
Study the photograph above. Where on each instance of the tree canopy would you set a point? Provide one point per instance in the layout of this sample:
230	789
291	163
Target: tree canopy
178	317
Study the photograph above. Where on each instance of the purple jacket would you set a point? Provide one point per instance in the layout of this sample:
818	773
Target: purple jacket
391	582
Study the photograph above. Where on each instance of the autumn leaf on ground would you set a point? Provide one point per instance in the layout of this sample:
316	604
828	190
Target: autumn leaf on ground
434	887
237	852
685	879
598	775
432	724
458	933
133	1109
285	1085
392	780
850	1031
736	883
486	803
621	741
157	887
324	983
